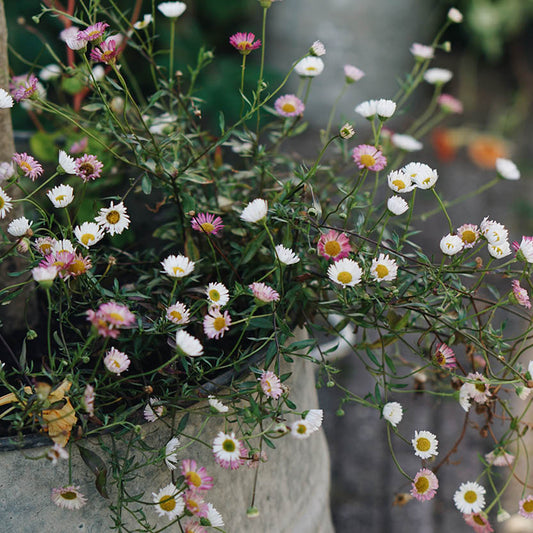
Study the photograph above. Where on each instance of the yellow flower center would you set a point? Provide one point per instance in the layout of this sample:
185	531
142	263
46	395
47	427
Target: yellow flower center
423	444
60	197
86	238
367	160
311	69
440	359
288	107
193	478
478	520
228	445
344	277
207	227
470	496
219	323
77	267
167	503
2	203
69	495
480	387
177	269
116	363
528	506
113	217
24	165
381	271
399	184
176	314
45	248
86	168
117	316
332	248
302	429
422	484
214	295
468	236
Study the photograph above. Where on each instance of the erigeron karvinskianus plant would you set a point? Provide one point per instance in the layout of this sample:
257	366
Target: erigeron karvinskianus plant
166	255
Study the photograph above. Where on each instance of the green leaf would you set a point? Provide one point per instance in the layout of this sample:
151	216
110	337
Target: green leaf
146	184
43	146
221	122
93	107
269	443
252	248
72	85
98	468
183	423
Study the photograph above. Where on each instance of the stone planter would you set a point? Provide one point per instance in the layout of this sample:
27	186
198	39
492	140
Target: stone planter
292	492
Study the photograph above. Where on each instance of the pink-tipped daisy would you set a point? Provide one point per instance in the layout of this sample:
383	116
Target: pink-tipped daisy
116	361
88	167
195	476
69	497
29	166
270	384
334	245
479	522
524	250
117	314
425	485
195	503
367	156
469	234
93	32
178	313
521	295
106	53
244	42
23	87
352	74
229	451
499	457
207	223
56	452
525	506
44	245
192	526
477	388
153	410
444	356
263	292
450	104
79	265
289	105
88	399
216	323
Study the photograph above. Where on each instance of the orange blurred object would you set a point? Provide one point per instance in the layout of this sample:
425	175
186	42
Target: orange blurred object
485	149
444	143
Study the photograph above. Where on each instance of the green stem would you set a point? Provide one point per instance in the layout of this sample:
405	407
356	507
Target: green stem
333	109
443	208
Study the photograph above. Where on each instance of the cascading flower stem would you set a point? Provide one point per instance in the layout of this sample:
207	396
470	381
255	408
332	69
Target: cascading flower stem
443	208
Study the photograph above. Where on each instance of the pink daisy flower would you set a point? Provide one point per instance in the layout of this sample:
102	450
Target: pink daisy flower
229	451
289	105
60	260
367	156
195	504
525	507
478	522
117	314
499	457
524	250
244	42
270	384
334	245
106	53
79	146
450	104
43	245
29	166
116	361
88	167
195	476
444	356
207	223
263	292
425	485
521	294
469	234
69	497
192	526
23	87
79	265
216	323
477	389
93	32
88	399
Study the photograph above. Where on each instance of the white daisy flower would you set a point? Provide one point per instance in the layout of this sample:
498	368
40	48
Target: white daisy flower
50	72
454	15
141	24
317	48
393	413
172	9
255	211
69	33
314	418
425	444
385	108
217	294
451	244
406	142
188	344
66	163
494	232
61	195
345	272
367	109
507	169
89	233
44	275
214	517
171	457
168	501
438	76
63	245
286	255
422	51
499	251
5	203
347	131
464	398
522	392
98	72
469	497
177	266
6	170
114	218
69	497
422	175
6	100
116	361
217	404
152	411
502	515
227	450
309	67
56	452
19	227
400	182
397	205
178	313
301	429
384	268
